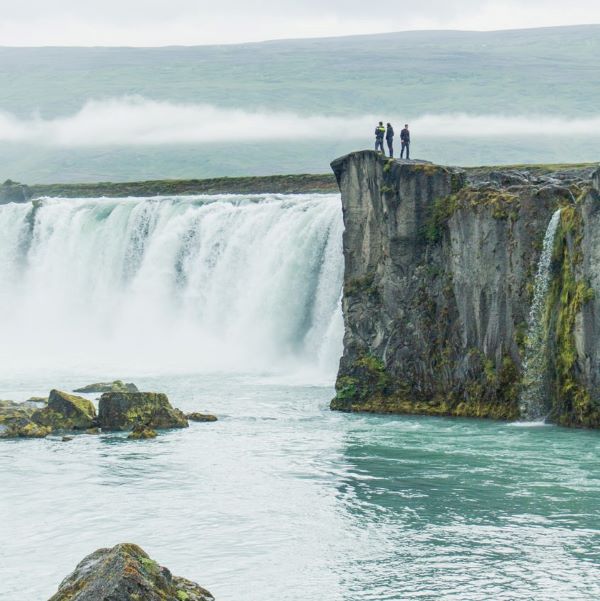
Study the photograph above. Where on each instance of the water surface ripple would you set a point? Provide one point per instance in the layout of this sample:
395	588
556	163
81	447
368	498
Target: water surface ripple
282	499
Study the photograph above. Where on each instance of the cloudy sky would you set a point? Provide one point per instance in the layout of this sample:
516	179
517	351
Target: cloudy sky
162	22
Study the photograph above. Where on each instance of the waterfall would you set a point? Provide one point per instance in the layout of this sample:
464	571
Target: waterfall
533	402
234	283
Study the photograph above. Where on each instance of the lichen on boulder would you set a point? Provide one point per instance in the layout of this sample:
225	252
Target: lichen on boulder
126	573
101	387
122	411
66	412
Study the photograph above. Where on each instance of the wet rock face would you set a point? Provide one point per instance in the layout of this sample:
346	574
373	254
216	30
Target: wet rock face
66	412
124	410
439	271
101	387
126	573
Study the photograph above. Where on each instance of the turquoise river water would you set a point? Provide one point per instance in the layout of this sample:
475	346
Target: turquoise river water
281	499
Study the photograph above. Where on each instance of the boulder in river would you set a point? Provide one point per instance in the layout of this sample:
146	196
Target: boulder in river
141	432
66	412
122	411
126	573
101	387
16	422
201	417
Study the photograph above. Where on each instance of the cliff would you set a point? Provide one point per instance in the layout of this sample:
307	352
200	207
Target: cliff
439	278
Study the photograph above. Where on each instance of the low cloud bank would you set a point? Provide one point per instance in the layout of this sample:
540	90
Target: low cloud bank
137	121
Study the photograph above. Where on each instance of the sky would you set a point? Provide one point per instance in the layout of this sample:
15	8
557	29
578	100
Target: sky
191	22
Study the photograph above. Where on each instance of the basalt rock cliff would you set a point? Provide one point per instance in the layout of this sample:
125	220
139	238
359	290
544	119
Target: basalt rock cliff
439	277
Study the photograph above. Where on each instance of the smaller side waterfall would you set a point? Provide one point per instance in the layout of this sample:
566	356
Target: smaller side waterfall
532	403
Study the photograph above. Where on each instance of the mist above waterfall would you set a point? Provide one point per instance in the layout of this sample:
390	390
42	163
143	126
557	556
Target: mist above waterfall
138	121
240	284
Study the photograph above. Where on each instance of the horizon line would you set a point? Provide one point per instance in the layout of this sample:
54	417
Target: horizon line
303	39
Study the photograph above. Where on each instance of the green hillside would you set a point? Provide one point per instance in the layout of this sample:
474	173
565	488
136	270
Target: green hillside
550	71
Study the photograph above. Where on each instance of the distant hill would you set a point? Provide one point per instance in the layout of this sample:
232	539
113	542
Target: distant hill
552	71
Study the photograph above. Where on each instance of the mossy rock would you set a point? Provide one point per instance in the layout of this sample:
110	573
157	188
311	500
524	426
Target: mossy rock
66	412
126	573
22	427
122	411
101	387
15	421
201	417
141	432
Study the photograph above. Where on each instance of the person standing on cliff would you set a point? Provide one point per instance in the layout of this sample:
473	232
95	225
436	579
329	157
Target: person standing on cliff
405	139
389	138
379	133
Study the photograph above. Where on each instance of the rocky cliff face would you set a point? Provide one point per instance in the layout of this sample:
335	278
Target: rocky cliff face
439	273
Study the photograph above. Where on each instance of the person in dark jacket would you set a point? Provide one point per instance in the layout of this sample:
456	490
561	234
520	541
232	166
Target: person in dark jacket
405	139
379	133
389	138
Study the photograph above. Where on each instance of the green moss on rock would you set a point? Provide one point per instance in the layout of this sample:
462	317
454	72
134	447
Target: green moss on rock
568	294
126	573
66	412
123	411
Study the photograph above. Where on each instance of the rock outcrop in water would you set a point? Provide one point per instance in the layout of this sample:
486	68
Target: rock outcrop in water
439	274
122	411
66	412
126	573
16	422
101	387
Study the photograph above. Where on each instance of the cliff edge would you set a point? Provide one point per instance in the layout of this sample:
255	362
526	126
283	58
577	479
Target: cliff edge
440	269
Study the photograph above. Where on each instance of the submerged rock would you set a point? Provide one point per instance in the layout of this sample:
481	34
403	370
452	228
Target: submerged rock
201	417
141	432
125	410
116	386
126	573
66	412
38	399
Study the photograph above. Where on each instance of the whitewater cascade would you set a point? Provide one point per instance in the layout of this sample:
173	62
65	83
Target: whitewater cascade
532	402
235	283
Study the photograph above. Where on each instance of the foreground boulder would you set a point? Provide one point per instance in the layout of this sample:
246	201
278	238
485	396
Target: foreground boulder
66	412
16	422
101	387
126	573
122	411
201	417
